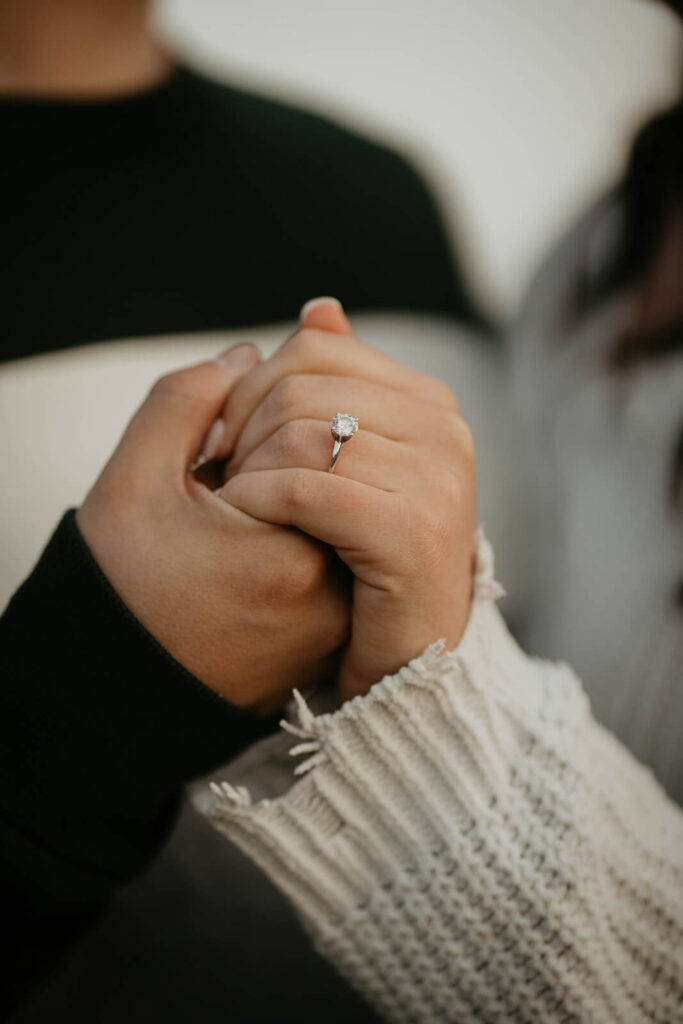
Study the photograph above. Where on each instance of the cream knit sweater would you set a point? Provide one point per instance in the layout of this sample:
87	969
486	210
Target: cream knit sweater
466	842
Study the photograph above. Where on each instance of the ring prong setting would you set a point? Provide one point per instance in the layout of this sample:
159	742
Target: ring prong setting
343	426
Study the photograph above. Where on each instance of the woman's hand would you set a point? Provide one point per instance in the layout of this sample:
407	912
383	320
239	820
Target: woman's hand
248	607
399	509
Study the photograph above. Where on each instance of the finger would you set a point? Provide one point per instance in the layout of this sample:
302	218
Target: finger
366	458
167	430
337	511
400	417
325	314
320	352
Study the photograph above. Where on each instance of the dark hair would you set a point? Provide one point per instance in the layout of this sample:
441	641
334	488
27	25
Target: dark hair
651	197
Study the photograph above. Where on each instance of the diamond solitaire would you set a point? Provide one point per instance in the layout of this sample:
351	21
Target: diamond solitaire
343	426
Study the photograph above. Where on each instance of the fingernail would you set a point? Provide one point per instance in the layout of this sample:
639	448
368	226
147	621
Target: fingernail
312	303
213	439
239	357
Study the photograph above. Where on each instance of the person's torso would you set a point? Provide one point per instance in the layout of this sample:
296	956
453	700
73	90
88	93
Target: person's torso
609	544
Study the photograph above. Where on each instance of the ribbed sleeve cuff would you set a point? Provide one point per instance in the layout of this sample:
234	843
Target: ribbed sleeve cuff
465	843
424	753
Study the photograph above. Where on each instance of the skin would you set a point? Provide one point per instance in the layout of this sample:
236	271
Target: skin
268	608
399	509
159	535
79	48
250	608
86	48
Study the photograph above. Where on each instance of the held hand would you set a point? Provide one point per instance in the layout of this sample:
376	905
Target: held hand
247	606
399	509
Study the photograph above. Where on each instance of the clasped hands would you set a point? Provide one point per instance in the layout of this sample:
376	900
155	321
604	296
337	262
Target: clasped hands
289	574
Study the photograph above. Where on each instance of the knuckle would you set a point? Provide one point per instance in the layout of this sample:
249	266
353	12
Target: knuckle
284	395
163	386
304	345
298	491
302	573
190	382
457	433
436	391
427	513
453	478
289	441
443	394
450	425
466	441
444	482
307	571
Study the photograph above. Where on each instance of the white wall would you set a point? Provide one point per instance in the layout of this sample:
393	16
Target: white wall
520	109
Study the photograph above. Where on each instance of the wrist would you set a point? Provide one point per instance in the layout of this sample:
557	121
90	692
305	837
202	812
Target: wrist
396	627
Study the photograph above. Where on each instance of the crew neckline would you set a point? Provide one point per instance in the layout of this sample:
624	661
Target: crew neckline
178	74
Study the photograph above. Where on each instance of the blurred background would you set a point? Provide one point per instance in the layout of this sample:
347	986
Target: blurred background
519	112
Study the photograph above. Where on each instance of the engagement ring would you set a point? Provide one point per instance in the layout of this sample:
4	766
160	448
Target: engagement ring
342	427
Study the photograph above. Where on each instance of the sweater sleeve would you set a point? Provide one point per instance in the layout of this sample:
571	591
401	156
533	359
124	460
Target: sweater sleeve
466	843
99	729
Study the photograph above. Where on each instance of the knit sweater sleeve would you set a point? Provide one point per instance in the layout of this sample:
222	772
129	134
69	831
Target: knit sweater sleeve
467	843
99	730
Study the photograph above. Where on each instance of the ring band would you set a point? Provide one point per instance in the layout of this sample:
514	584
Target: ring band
342	427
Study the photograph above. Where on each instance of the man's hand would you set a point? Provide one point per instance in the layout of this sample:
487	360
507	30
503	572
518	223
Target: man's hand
250	608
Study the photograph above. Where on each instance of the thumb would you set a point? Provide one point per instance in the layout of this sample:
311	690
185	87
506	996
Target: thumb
325	314
168	429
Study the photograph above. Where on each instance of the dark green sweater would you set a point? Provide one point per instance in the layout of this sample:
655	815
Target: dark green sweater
191	207
198	206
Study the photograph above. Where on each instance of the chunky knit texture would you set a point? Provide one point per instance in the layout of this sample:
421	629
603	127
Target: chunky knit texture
467	843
